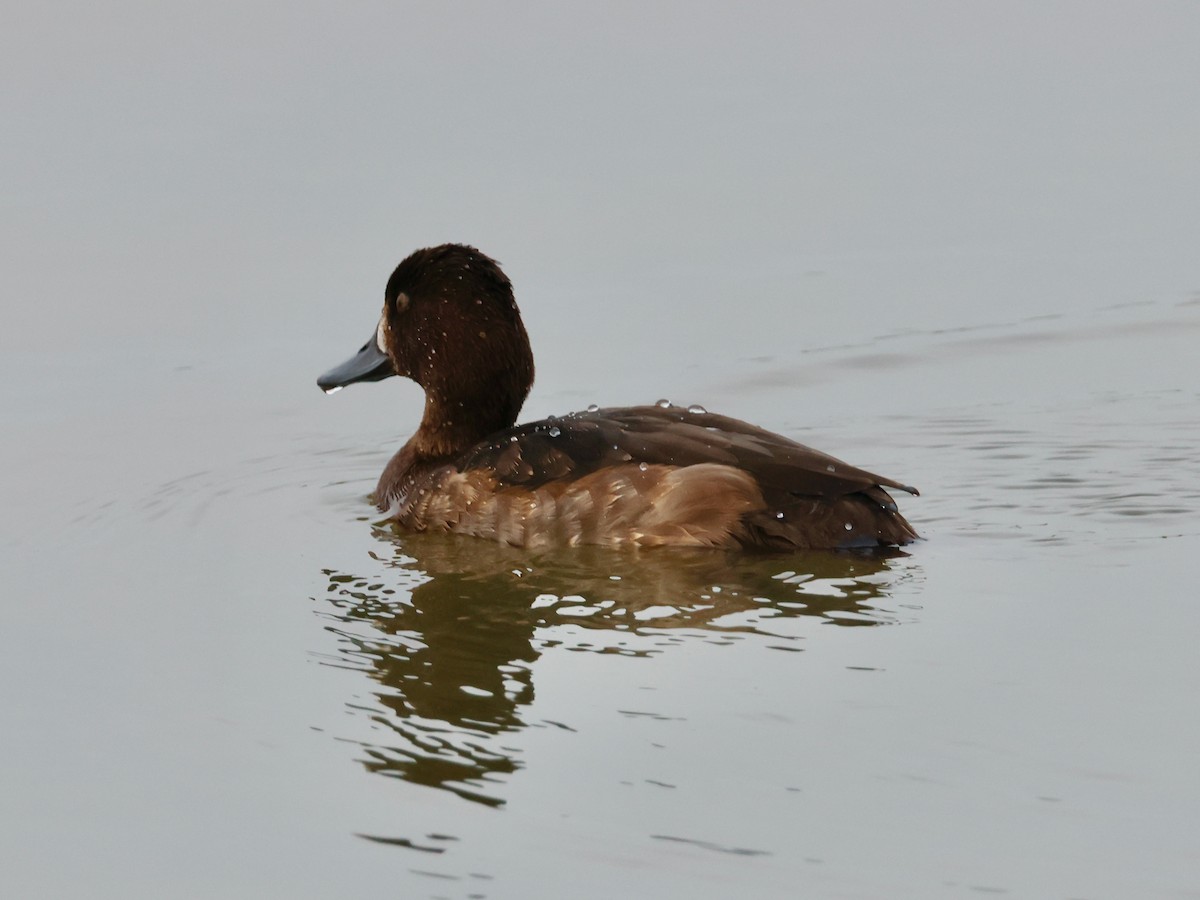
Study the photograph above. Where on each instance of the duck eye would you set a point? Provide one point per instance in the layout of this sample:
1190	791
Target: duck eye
401	302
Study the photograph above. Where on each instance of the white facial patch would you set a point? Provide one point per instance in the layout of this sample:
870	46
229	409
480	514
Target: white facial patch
382	328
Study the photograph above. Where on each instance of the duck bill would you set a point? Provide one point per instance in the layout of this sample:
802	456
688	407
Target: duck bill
368	364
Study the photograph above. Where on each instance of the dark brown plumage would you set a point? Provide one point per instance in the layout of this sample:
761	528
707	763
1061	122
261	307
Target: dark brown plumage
646	475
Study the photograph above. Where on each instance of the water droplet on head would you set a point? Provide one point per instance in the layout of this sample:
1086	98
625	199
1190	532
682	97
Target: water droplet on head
643	466
849	526
663	404
779	515
697	410
554	431
830	469
592	407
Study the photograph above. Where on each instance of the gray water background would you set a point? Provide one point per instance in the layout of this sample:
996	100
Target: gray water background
952	243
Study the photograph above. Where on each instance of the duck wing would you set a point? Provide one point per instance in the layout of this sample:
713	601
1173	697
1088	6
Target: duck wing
573	446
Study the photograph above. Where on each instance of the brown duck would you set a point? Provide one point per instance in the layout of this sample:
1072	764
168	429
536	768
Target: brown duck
642	475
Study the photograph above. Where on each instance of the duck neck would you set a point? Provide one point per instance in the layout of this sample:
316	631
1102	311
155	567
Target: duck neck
461	411
455	421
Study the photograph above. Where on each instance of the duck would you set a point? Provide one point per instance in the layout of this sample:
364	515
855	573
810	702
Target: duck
645	476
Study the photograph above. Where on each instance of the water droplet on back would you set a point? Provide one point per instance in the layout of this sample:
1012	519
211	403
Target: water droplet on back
663	404
697	410
592	407
554	431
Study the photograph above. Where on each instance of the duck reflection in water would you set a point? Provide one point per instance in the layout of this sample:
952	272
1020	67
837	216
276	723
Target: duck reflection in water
449	627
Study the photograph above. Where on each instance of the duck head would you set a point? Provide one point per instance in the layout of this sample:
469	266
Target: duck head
451	324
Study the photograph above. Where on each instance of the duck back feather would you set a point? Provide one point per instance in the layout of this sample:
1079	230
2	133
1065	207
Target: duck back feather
651	476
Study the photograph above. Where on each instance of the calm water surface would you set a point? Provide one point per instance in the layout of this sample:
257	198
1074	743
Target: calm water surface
230	679
960	252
